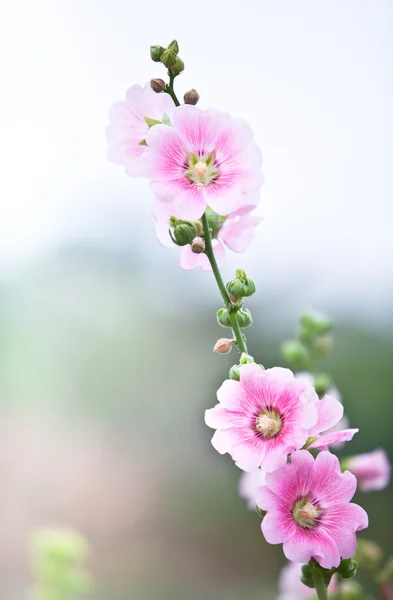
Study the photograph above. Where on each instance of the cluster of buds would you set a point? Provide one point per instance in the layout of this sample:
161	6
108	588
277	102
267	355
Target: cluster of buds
186	232
168	57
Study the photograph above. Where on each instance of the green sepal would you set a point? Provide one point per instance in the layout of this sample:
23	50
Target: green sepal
174	46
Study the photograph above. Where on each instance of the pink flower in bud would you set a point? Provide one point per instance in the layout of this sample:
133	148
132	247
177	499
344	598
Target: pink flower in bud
372	470
129	125
236	233
205	159
291	587
262	418
308	509
249	484
223	346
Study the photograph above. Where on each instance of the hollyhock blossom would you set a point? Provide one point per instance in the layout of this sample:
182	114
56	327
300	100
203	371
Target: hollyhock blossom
130	120
291	587
207	158
371	469
235	231
249	484
262	418
308	509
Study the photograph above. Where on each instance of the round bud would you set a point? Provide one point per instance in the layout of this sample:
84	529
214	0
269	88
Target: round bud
244	318
174	46
156	52
246	359
184	233
157	85
223	346
191	97
168	58
313	325
322	382
223	318
295	352
348	568
198	245
241	286
234	372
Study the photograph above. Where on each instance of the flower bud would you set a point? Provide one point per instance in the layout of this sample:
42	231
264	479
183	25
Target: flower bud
223	318
241	286
156	52
244	318
184	233
198	245
168	58
246	359
295	352
157	85
307	575
234	372
174	46
191	97
178	67
313	325
322	382
223	346
348	568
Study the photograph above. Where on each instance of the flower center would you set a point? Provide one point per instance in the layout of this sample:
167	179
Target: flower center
268	423
306	513
201	169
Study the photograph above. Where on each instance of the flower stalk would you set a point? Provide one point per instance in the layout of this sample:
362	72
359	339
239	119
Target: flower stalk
320	585
240	341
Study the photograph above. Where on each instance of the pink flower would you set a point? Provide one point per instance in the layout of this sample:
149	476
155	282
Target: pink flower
235	232
308	510
128	128
205	158
249	484
372	470
330	413
291	587
262	418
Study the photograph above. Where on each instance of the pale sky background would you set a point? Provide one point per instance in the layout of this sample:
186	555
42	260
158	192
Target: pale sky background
313	77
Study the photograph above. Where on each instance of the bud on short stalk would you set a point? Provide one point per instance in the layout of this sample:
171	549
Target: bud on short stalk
183	234
156	52
198	245
174	46
295	352
178	67
241	286
223	346
244	318
313	325
191	97
157	85
322	383
168	59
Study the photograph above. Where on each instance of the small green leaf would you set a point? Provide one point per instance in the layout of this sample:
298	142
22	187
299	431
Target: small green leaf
151	122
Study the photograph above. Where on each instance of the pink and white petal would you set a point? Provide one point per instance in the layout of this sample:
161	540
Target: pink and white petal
324	441
250	375
189	260
330	486
248	456
189	203
266	500
222	441
161	210
275	458
162	232
330	411
228	394
278	526
220	417
238	235
224	199
294	479
281	375
341	522
309	413
306	544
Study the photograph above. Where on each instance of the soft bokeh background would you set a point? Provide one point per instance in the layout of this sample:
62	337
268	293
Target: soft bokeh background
105	345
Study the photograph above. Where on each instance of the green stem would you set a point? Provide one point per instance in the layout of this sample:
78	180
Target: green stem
320	585
170	89
237	332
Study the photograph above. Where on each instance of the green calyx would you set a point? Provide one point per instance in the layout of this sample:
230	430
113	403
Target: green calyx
183	233
296	353
241	286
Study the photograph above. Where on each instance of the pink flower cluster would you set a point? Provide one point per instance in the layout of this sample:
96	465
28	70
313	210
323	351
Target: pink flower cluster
270	415
196	160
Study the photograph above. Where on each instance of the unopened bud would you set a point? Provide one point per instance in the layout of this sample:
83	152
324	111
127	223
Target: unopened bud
234	372
241	286
244	318
314	324
246	359
322	382
198	245
191	97
223	318
178	67
183	234
157	85
174	46
348	568
295	352
156	52
168	58
223	346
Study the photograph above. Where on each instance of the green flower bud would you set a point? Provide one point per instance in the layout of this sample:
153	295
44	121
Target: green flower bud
157	85
223	318
234	372
313	325
261	513
322	382
348	568
295	352
191	97
241	286
244	318
183	234
156	52
307	576
174	46
178	67
168	58
246	359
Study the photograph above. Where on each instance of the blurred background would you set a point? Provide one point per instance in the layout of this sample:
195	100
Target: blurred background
106	363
